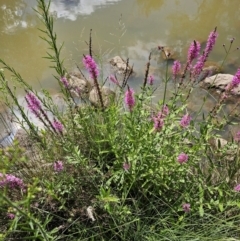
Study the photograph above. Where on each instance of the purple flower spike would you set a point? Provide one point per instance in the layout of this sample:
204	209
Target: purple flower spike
34	103
210	42
129	98
185	121
186	207
203	58
150	80
176	68
65	82
199	65
193	51
58	166
58	126
113	79
182	158
91	66
236	79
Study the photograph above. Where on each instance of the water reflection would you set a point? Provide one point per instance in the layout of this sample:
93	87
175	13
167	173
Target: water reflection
70	9
150	5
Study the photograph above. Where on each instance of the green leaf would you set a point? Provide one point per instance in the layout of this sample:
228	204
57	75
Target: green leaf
201	211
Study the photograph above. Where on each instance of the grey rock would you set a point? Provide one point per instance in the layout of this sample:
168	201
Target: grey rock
168	53
120	65
78	87
220	82
107	95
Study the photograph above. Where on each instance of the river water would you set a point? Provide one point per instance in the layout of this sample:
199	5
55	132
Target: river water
129	28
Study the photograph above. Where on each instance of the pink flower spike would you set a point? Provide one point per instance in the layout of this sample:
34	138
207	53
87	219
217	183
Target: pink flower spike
150	80
34	103
236	79
193	51
182	158
129	98
237	188
186	207
58	126
185	121
113	79
91	66
58	166
211	42
176	68
64	82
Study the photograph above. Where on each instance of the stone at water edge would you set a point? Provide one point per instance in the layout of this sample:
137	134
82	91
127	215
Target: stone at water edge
120	65
107	94
212	67
220	82
168	53
78	87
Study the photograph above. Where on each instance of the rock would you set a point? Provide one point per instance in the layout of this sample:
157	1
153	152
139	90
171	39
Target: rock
223	150
107	94
218	142
212	68
220	81
168	53
120	65
78	87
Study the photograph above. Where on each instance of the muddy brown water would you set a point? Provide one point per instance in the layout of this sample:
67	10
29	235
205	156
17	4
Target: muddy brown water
129	28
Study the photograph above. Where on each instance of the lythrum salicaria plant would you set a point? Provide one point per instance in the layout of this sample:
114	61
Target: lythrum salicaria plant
134	169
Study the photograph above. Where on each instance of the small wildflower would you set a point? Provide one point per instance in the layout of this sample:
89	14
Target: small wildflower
58	166
91	66
10	215
237	136
237	188
186	207
113	79
58	126
176	68
129	98
126	166
185	121
193	51
182	158
64	82
11	181
34	103
150	80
